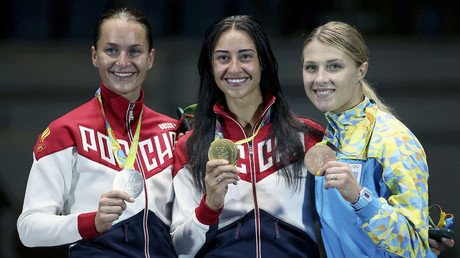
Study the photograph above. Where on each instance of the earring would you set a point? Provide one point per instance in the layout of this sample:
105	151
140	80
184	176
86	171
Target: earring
149	67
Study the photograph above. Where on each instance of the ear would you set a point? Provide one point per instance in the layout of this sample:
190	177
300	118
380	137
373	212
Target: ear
151	59
94	57
362	70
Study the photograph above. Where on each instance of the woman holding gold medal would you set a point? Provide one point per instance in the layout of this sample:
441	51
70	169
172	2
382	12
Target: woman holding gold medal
241	189
101	176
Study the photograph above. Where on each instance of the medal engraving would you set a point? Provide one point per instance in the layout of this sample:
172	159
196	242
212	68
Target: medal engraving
317	156
129	181
223	149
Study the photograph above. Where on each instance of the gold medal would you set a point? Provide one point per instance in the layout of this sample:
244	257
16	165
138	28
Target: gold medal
223	149
317	156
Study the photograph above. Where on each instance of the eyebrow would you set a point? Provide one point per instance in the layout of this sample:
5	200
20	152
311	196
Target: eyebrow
116	45
239	51
327	61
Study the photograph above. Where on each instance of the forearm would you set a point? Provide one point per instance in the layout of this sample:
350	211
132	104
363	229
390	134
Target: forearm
41	229
191	219
393	231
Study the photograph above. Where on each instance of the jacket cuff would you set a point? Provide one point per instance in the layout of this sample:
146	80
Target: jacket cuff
87	225
369	211
206	215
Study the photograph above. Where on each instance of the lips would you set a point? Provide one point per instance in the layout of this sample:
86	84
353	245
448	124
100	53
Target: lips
123	75
323	93
235	82
118	74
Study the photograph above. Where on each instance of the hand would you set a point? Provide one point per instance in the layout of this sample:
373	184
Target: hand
339	175
218	175
178	137
438	247
111	206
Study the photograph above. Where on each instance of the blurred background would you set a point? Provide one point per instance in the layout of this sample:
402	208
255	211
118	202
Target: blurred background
46	70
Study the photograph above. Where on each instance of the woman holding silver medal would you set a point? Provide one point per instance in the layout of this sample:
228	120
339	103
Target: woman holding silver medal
101	177
372	201
247	195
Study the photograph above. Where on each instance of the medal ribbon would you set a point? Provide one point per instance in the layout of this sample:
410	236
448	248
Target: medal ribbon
220	135
123	161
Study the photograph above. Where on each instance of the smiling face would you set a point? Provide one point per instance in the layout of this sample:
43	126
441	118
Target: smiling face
236	66
331	78
122	57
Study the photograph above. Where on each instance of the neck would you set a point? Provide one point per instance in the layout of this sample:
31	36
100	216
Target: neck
247	113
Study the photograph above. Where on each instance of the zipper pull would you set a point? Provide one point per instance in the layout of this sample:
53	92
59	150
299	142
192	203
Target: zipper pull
125	232
237	230
251	150
277	229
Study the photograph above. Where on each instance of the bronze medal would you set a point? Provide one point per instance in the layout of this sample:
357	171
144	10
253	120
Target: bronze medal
223	149
317	156
129	181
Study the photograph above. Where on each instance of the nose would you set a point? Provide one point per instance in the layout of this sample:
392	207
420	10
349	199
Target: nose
123	59
321	76
234	65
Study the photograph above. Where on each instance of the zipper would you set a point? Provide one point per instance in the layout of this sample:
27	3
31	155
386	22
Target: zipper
252	173
129	117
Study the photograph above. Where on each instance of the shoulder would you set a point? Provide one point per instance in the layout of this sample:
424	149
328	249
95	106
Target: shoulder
312	123
180	153
315	131
60	133
159	120
391	134
388	126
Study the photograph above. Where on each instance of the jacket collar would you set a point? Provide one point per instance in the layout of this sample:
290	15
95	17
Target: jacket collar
116	107
222	109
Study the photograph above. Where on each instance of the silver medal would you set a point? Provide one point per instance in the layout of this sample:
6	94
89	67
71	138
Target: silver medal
129	181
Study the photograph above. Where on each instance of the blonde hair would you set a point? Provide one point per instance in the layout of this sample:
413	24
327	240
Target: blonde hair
346	38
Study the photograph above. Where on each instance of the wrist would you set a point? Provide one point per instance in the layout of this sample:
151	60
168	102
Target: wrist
364	198
357	197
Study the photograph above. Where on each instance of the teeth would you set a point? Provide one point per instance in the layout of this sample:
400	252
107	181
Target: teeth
123	74
324	93
236	80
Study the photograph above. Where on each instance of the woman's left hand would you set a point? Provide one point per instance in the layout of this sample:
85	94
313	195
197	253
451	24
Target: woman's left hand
339	175
438	246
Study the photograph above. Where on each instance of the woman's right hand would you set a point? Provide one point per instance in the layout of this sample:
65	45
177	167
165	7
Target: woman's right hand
219	173
111	206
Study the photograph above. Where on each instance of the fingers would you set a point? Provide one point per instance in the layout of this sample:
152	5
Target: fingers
219	171
111	207
436	247
449	242
339	175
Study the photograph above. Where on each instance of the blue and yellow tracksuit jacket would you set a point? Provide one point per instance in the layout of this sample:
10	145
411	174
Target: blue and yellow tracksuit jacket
387	159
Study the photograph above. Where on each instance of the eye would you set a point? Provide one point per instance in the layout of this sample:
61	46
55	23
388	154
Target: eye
246	57
223	59
334	67
111	51
310	68
135	52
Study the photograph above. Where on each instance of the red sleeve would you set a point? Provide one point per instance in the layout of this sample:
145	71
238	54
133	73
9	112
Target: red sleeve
315	133
180	157
87	225
206	215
